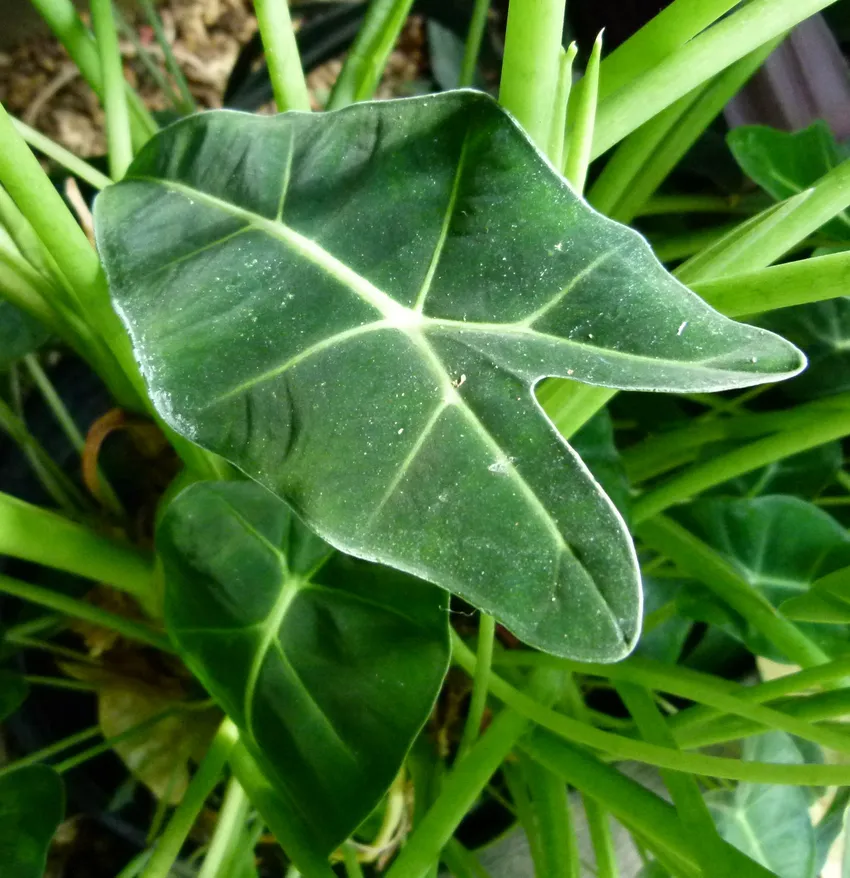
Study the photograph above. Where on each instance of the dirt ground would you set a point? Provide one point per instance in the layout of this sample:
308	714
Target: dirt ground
40	85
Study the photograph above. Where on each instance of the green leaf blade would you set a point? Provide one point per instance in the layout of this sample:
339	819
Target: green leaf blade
328	668
354	308
32	803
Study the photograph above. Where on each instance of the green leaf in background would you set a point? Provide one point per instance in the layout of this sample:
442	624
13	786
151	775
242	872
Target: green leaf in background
822	330
828	600
13	691
770	824
801	475
20	334
784	163
354	308
781	546
665	630
329	666
32	802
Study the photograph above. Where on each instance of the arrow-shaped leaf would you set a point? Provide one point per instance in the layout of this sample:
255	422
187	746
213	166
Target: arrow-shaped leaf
329	666
354	307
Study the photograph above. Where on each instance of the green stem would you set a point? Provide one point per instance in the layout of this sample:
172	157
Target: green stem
228	831
187	102
601	839
623	168
107	744
558	132
722	697
558	848
63	157
43	207
643	97
694	557
830	425
459	792
34	534
702	107
367	58
687	798
660	37
57	484
292	839
474	38
530	65
580	136
619	747
52	749
284	62
26	240
634	805
663	205
461	862
815	279
62	19
186	814
66	422
61	683
118	137
352	865
478	701
78	609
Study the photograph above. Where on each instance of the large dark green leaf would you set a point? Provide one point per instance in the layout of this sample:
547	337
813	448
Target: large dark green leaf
769	823
329	666
31	807
784	163
781	546
354	307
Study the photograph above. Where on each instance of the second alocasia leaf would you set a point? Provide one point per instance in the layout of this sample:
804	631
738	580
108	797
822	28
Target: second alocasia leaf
354	308
329	666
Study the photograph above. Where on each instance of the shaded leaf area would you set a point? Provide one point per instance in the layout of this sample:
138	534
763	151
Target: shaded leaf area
828	600
785	163
665	627
13	691
354	307
20	334
329	666
32	803
781	546
769	823
822	330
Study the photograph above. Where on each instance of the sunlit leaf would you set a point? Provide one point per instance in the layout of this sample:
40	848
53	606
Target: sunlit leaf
329	666
769	823
354	308
781	546
32	803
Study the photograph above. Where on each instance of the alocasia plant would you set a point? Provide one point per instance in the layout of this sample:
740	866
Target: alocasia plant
354	308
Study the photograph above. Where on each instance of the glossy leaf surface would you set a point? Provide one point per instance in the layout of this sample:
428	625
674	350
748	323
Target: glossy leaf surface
329	666
31	807
354	307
